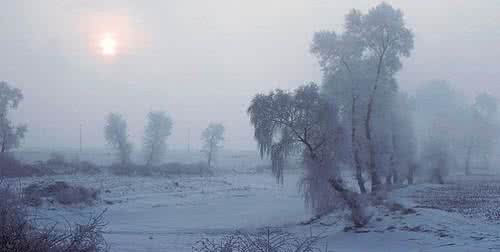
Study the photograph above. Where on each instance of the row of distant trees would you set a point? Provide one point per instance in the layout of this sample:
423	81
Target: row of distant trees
359	120
158	129
454	133
156	133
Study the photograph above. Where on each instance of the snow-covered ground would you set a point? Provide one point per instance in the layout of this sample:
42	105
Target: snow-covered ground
170	214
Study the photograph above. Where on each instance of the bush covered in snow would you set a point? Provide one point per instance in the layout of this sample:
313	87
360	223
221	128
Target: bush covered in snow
11	167
56	164
61	192
20	232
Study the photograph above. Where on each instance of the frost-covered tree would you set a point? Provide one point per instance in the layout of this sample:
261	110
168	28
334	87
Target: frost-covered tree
436	157
404	153
487	107
304	122
441	121
464	133
486	104
481	131
115	132
362	61
340	59
212	138
10	135
158	129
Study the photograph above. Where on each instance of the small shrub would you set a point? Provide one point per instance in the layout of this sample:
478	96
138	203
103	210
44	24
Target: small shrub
57	159
262	168
62	192
168	169
145	171
183	169
122	169
272	241
11	167
396	207
408	211
75	195
86	167
32	195
58	163
19	231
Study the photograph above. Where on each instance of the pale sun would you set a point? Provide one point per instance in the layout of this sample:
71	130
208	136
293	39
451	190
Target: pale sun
108	46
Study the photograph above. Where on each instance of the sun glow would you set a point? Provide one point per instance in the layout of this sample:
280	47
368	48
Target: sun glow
108	45
112	36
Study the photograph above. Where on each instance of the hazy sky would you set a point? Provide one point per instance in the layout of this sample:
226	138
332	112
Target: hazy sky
202	61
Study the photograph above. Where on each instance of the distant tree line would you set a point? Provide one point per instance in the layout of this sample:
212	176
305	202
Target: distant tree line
158	129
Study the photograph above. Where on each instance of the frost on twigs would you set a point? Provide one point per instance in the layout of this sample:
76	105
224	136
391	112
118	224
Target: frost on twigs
272	241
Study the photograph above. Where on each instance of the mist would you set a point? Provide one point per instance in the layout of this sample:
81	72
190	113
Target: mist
183	56
208	126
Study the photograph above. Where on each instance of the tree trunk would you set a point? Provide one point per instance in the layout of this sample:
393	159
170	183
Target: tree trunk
3	146
376	182
467	161
437	173
486	162
394	169
354	148
389	177
150	158
388	180
359	173
210	154
395	177
209	161
411	173
368	120
437	176
352	199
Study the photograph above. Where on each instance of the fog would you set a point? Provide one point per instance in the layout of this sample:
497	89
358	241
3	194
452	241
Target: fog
202	61
243	126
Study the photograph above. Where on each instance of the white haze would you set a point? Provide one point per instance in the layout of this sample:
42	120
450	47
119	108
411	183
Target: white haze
202	61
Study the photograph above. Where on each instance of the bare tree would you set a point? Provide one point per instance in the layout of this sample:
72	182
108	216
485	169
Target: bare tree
304	122
10	135
116	135
157	131
212	138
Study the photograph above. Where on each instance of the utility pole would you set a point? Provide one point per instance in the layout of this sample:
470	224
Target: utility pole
189	140
80	153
